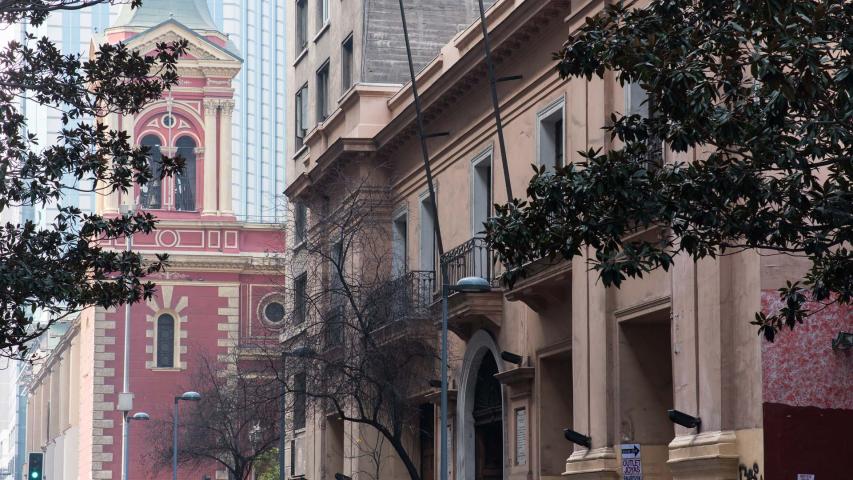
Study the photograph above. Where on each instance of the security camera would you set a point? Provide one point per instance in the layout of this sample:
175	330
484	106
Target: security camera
577	438
683	419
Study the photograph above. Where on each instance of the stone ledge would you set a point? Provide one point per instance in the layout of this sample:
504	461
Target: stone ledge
709	455
596	464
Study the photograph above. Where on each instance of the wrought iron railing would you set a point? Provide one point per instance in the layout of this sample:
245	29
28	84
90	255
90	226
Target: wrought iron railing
471	259
654	152
415	291
408	296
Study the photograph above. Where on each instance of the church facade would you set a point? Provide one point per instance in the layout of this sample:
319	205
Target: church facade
219	290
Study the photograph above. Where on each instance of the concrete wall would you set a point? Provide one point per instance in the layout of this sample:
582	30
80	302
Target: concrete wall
677	339
430	24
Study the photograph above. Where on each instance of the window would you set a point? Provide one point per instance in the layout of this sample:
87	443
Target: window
346	64
301	25
551	140
323	92
297	456
322	13
481	193
400	239
150	194
427	250
426	434
299	401
638	102
165	341
300	223
301	106
300	286
336	259
274	312
185	181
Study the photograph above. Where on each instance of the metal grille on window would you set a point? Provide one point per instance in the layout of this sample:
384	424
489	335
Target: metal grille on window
185	181
150	194
165	341
299	401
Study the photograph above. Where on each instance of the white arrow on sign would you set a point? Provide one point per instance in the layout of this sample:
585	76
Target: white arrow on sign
630	450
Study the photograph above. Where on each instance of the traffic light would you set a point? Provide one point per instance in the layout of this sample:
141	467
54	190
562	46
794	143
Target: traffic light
36	464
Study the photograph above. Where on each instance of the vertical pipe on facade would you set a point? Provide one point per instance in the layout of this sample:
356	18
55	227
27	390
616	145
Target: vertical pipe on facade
274	96
244	94
259	106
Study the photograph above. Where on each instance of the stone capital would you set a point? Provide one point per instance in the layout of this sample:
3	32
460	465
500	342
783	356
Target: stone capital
210	106
227	107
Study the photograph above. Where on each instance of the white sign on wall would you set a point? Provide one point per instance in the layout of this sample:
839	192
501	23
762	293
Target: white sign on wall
521	436
805	476
632	467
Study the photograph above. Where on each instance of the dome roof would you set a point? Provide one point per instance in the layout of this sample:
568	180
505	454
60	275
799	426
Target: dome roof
193	14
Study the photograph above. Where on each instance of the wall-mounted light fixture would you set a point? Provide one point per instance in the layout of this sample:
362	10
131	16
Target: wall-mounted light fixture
577	438
844	341
511	357
683	419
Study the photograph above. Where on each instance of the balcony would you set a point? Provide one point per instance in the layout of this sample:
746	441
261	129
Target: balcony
545	285
469	312
404	298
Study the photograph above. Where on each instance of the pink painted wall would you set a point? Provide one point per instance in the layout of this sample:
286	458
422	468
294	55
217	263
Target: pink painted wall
808	396
800	368
155	389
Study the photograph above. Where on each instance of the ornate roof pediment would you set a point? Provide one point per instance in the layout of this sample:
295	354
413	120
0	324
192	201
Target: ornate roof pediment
199	49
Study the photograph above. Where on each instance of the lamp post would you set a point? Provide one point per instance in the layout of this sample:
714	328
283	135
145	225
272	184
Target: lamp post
465	285
140	417
190	397
125	398
282	402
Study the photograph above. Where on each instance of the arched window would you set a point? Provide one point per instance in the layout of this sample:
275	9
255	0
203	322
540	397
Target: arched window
165	341
150	195
185	181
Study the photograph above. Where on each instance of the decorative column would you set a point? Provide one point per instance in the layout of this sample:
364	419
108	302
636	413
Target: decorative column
209	190
225	125
110	197
129	126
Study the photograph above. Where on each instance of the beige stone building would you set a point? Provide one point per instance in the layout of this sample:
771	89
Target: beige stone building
605	363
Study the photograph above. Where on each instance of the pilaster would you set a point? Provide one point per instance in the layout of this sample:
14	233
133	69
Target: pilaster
110	197
225	126
592	374
209	194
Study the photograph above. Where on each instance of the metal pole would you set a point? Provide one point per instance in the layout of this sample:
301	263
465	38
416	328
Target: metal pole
125	446
175	442
125	388
424	149
495	104
445	292
439	245
281	420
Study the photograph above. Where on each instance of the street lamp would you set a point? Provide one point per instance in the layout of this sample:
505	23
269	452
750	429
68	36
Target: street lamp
125	398
189	397
464	285
138	416
300	352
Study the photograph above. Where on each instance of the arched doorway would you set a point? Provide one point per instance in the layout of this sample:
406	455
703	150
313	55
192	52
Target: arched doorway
480	433
488	422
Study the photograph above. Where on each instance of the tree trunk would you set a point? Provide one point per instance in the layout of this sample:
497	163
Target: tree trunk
404	456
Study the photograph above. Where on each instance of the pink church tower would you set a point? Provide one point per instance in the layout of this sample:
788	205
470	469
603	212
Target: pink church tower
220	291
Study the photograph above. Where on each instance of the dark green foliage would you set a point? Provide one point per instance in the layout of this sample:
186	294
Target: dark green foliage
761	91
62	268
